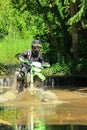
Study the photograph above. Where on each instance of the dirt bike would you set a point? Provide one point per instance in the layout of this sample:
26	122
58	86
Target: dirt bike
32	77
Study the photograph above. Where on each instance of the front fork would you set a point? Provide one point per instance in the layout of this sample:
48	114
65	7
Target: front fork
29	79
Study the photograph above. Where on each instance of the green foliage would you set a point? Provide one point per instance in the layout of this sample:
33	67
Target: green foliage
3	69
81	66
45	48
60	7
57	69
77	17
73	1
15	23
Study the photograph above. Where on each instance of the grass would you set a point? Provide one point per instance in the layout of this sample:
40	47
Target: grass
10	47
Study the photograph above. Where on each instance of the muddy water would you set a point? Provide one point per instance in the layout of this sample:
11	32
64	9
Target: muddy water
26	110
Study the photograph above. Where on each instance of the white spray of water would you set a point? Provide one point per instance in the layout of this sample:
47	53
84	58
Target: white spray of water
10	93
43	95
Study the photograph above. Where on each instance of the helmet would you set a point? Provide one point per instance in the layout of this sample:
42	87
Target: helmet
36	43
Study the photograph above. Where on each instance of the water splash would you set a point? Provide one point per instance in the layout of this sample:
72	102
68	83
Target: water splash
43	95
7	89
10	95
39	93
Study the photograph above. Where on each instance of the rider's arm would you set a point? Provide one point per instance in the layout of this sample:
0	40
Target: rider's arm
24	57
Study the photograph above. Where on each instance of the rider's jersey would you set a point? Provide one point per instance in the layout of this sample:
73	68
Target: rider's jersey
29	55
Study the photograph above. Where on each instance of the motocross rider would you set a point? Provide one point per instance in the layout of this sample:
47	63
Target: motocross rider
30	55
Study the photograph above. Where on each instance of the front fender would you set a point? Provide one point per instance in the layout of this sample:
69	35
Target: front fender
40	75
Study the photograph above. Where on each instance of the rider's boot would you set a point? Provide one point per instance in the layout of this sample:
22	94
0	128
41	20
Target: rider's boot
20	80
19	75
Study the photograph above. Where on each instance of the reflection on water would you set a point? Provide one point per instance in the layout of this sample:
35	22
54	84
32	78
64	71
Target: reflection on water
33	119
6	127
43	127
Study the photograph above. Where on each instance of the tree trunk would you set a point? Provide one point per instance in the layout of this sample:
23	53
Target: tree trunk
73	10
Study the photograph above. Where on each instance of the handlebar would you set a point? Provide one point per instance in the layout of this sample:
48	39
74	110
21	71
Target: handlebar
44	64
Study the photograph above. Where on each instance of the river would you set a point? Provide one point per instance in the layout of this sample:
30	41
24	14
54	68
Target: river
25	111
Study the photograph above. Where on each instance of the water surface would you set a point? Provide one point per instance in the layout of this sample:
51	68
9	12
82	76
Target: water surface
27	112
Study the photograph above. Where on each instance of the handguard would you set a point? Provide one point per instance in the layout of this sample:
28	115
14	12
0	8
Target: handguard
27	62
24	61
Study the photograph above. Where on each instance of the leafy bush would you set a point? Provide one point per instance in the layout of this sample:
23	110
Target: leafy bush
57	69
